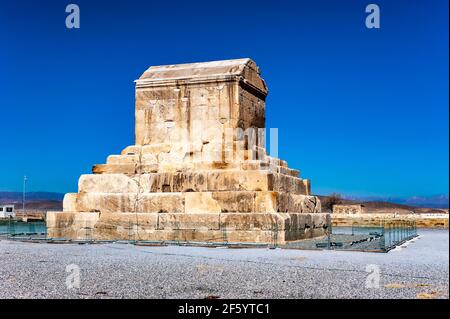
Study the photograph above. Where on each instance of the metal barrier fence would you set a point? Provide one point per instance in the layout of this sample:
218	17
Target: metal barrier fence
395	233
383	236
14	228
362	237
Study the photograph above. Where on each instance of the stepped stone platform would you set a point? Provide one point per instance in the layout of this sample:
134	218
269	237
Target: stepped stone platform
198	170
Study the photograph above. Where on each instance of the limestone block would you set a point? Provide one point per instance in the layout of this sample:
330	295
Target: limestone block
127	220
128	169
161	203
257	221
156	148
288	171
131	150
159	110
107	202
296	234
148	159
155	133
311	204
142	203
72	221
213	131
194	146
305	221
289	184
126	226
320	220
285	202
123	159
159	182
307	186
218	180
302	221
254	165
285	184
251	75
189	182
298	203
59	219
254	236
57	232
232	201
219	236
177	134
273	161
175	167
239	180
144	181
266	202
202	202
170	158
145	169
317	232
107	183
212	152
293	221
219	165
196	235
205	221
141	133
282	163
70	202
318	207
198	111
85	219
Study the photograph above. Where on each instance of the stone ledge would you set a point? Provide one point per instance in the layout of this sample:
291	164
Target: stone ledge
192	202
262	227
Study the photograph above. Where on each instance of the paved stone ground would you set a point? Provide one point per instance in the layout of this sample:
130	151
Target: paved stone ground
29	270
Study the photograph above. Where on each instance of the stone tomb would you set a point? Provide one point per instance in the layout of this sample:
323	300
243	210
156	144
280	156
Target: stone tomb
198	170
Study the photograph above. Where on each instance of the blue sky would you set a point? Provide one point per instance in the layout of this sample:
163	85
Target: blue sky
360	111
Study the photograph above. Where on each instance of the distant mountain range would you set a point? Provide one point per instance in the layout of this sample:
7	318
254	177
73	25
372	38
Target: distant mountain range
44	201
30	196
438	201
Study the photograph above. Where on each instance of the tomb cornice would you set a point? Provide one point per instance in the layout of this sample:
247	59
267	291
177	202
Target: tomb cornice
146	83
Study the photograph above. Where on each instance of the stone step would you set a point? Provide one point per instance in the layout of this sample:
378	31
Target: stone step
192	202
208	180
219	227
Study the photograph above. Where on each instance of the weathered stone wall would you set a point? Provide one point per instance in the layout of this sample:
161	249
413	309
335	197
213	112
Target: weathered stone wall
421	220
198	169
348	209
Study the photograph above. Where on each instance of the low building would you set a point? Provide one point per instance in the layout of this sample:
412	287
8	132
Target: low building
349	209
7	211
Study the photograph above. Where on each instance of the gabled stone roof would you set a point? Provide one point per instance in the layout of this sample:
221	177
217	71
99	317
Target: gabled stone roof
187	73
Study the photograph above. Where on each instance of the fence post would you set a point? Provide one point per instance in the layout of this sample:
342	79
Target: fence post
401	231
275	234
409	229
390	234
395	233
330	231
129	230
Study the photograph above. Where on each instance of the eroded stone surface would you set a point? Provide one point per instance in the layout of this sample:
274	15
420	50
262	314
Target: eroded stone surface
198	169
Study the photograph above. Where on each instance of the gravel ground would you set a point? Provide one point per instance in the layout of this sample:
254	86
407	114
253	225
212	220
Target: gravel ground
420	269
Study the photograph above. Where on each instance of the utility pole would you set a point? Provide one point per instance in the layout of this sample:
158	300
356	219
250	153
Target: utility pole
23	198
